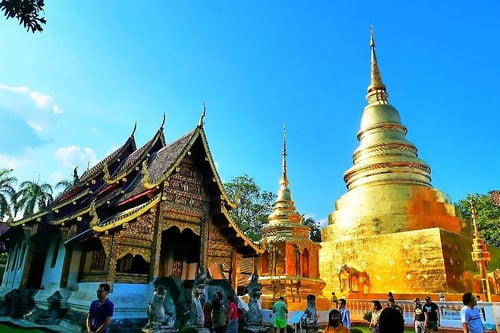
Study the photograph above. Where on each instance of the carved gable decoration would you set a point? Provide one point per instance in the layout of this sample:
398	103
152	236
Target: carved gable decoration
184	198
183	189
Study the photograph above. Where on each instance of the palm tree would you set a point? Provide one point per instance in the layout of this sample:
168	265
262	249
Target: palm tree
65	184
33	197
7	192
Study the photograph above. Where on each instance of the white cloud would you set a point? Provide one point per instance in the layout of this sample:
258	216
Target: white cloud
57	109
14	89
40	99
72	156
35	108
11	162
323	222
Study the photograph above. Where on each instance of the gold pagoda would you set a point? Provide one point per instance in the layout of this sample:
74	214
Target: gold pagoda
391	230
289	266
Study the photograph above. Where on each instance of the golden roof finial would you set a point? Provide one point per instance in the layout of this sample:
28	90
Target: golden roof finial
377	92
284	178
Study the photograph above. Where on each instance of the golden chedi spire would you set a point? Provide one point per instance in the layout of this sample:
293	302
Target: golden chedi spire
289	265
389	186
392	226
384	155
376	90
284	210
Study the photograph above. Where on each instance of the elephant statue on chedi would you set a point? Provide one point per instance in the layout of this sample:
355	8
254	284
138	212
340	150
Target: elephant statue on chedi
353	280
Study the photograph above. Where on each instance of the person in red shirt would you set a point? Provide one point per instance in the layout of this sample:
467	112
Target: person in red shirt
232	315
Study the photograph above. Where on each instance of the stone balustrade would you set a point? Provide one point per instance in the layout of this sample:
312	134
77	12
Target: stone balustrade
450	312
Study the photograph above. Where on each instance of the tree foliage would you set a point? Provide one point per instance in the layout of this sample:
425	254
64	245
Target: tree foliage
315	234
26	11
7	193
254	205
488	217
33	197
65	184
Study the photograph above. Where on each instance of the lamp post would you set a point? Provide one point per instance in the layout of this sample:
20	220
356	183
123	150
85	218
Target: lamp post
480	254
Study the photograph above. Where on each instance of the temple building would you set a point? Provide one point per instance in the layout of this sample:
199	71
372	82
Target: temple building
289	266
392	230
140	214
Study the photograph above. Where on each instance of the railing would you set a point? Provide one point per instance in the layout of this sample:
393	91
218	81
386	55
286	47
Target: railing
449	312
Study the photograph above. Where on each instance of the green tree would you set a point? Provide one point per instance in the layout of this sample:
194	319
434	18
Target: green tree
488	217
66	183
7	193
315	234
254	205
33	197
26	11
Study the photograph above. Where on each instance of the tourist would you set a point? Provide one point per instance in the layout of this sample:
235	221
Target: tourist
232	316
418	316
480	307
441	297
377	309
391	321
470	316
101	311
431	311
218	314
258	301
280	312
391	303
334	300
345	314
335	324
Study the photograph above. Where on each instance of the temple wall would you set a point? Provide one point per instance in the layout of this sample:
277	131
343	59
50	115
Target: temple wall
52	274
16	265
8	274
74	268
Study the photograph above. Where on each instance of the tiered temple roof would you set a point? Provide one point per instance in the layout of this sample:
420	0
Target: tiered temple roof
130	181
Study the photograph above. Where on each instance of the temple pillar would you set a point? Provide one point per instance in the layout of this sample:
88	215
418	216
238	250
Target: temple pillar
110	247
235	268
66	234
29	248
154	265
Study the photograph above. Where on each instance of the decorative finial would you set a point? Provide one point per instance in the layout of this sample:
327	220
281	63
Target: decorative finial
377	93
75	175
163	121
284	178
133	131
200	123
473	215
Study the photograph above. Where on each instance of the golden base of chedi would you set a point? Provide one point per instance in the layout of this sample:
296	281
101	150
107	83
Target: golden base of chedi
412	262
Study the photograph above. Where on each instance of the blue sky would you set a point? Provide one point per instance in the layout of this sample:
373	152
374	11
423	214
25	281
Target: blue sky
72	94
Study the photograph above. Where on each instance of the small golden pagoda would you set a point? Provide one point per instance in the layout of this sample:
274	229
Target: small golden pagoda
289	266
392	231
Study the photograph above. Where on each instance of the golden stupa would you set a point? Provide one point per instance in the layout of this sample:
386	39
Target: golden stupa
392	231
289	266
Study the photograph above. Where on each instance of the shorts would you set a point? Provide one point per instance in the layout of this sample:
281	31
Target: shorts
432	325
280	322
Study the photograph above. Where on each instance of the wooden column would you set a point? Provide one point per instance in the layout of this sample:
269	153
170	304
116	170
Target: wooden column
154	265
